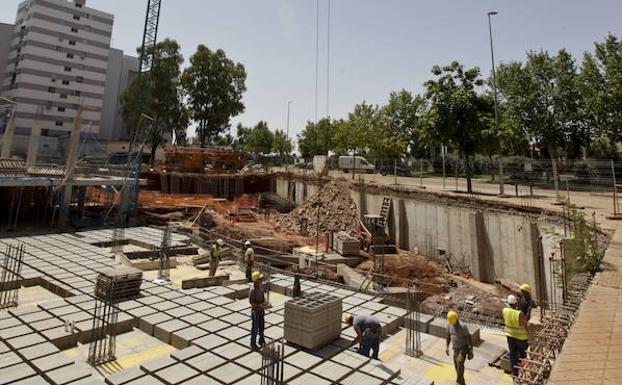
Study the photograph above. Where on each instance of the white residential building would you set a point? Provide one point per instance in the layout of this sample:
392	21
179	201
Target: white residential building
58	61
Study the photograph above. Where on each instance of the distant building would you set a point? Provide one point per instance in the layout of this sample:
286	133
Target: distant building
6	35
58	61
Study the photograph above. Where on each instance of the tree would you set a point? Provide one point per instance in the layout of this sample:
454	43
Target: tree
281	144
354	134
214	85
166	103
542	101
316	139
259	139
180	120
404	112
455	113
601	88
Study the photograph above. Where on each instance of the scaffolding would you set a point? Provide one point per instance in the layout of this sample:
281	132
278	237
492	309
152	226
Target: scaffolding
272	363
112	286
413	322
164	268
11	276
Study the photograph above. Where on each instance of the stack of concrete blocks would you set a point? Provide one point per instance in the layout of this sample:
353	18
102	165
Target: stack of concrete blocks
438	328
313	321
346	245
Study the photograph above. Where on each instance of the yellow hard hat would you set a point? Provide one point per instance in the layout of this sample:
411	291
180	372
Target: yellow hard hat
525	287
349	317
452	317
256	276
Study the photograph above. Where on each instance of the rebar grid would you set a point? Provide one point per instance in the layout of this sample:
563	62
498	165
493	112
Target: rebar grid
413	322
11	276
272	363
536	368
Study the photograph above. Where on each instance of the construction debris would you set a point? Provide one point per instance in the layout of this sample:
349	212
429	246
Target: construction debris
332	209
252	169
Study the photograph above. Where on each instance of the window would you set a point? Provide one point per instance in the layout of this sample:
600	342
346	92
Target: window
76	17
66	82
45	132
78	5
74	29
77	93
79	79
58	49
67	69
63	96
72	42
53	80
61	109
69	55
59	123
51	90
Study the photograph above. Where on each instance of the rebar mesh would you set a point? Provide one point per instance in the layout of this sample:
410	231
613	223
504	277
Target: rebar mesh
11	276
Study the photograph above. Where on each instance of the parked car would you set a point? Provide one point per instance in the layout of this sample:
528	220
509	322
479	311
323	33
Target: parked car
391	169
355	163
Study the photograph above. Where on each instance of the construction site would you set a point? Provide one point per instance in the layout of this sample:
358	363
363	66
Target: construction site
110	274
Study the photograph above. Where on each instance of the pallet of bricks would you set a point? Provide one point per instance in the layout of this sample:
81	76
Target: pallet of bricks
313	321
118	283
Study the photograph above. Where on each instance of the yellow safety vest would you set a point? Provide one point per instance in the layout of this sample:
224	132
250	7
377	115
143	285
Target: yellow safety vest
511	317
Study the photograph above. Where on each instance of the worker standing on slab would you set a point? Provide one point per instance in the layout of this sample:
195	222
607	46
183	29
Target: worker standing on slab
368	331
525	302
249	260
516	333
215	257
460	338
258	305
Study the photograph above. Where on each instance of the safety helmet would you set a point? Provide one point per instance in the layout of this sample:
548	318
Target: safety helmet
256	276
525	287
452	317
512	300
349	318
220	242
247	243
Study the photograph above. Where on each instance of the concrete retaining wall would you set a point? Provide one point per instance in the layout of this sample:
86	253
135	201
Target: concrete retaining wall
491	244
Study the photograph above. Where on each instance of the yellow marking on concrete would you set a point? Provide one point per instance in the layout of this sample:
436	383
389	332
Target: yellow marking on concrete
390	353
136	359
444	372
72	353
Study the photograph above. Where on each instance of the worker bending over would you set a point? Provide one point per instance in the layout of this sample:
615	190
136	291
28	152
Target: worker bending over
249	260
258	305
525	302
460	338
516	333
215	257
368	330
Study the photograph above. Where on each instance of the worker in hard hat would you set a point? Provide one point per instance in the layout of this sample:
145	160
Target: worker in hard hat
460	338
516	333
258	305
215	257
368	331
249	260
525	301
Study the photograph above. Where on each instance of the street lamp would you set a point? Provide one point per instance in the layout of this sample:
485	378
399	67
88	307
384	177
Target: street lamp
289	103
494	87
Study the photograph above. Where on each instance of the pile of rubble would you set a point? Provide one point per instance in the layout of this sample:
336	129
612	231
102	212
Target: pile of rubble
337	211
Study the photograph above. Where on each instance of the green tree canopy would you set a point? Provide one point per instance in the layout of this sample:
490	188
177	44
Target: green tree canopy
259	139
404	112
316	139
214	85
281	144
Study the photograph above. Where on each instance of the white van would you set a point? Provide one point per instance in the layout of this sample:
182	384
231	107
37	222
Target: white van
355	163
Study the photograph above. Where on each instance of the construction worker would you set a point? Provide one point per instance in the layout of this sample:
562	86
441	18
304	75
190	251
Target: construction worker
249	260
258	305
516	333
525	302
460	338
215	257
368	331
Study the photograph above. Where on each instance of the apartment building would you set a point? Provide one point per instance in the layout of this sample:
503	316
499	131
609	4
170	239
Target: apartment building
57	62
6	35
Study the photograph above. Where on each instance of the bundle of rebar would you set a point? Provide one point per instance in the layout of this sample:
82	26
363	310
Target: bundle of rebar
118	283
11	279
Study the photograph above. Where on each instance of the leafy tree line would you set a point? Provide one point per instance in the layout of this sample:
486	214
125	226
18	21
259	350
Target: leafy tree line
208	91
261	140
549	105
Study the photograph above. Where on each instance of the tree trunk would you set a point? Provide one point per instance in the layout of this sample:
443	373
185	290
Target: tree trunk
492	169
467	171
553	156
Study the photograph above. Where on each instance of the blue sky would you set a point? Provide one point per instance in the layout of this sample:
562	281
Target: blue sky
376	46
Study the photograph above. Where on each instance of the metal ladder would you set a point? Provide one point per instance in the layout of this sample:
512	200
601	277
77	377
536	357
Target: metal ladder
384	211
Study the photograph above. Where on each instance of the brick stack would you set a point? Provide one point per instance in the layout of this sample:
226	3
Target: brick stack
313	321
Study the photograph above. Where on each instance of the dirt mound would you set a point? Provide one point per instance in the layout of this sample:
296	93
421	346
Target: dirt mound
337	211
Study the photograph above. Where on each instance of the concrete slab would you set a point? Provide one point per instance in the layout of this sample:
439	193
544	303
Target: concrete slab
229	373
14	373
66	375
205	362
176	374
51	362
125	376
308	378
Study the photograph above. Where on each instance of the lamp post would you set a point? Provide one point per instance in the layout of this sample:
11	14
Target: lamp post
289	103
494	87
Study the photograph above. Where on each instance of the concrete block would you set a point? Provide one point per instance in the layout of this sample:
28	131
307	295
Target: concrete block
213	326
32	381
9	359
438	327
62	376
235	318
51	362
205	362
146	380
39	350
146	324
60	338
201	306
233	333
423	324
154	366
303	360
308	378
180	312
182	338
217	312
187	353
331	371
196	318
229	373
253	379
162	331
15	331
25	341
251	360
12	374
49	323
209	342
231	351
176	374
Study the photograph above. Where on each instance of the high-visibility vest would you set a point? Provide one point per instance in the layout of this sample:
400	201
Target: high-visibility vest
513	329
215	254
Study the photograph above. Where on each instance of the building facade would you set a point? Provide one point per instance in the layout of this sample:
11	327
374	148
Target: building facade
57	63
6	35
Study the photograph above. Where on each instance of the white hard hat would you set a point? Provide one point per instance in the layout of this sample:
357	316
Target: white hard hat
220	242
247	243
512	299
